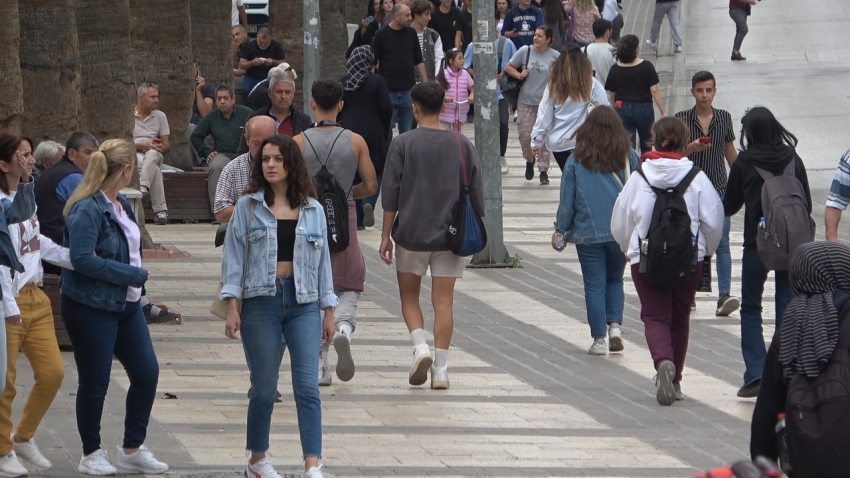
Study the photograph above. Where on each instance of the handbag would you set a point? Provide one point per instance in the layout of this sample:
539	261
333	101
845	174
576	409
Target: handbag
219	307
466	233
511	86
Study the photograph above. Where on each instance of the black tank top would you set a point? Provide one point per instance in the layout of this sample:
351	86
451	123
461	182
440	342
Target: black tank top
286	239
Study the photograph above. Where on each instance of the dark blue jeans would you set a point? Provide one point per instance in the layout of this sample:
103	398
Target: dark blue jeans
638	117
753	277
96	335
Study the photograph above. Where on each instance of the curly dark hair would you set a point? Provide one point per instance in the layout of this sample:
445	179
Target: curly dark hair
299	185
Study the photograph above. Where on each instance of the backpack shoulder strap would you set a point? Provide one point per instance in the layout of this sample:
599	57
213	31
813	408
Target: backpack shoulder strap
790	168
527	57
844	334
687	180
765	174
330	151
501	48
657	191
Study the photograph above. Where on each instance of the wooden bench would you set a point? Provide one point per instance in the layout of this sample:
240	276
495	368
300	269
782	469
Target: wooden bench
186	195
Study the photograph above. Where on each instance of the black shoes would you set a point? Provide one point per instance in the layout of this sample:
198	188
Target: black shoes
544	178
738	57
163	317
529	171
751	390
727	304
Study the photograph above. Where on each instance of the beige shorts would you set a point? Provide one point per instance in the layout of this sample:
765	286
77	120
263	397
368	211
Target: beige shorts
442	263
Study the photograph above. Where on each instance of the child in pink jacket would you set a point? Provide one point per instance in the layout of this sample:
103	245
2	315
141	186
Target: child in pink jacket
459	93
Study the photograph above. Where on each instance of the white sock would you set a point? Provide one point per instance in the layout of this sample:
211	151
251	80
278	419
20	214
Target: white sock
323	355
419	338
345	329
441	358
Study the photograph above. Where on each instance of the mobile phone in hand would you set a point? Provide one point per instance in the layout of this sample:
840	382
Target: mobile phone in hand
705	140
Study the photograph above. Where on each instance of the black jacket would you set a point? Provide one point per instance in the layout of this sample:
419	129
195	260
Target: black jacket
368	112
744	187
300	123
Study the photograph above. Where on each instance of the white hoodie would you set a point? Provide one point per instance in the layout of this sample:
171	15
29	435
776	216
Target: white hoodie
633	209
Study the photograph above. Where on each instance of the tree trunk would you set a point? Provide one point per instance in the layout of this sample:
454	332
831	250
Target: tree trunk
287	26
161	46
11	93
355	10
334	38
107	88
50	69
211	40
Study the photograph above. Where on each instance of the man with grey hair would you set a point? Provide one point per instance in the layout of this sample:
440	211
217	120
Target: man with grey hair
288	120
151	136
47	153
259	96
257	57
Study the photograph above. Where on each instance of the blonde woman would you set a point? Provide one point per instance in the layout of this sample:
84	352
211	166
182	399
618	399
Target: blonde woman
101	310
582	14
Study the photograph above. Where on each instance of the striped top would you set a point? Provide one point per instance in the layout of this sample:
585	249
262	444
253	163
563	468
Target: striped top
839	191
713	160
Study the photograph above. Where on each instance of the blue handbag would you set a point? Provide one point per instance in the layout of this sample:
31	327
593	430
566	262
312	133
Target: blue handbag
466	233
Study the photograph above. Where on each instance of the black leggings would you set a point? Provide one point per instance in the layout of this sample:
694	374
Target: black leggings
503	127
561	157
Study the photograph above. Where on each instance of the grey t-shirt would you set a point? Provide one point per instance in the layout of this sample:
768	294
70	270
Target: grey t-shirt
422	181
538	66
601	56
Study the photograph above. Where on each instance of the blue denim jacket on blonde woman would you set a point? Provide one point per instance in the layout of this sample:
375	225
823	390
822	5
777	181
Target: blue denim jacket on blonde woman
311	260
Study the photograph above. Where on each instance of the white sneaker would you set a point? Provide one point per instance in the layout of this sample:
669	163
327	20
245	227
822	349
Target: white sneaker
325	379
261	469
440	378
615	338
678	49
96	463
30	452
315	472
598	347
651	43
422	360
344	361
142	461
504	165
10	465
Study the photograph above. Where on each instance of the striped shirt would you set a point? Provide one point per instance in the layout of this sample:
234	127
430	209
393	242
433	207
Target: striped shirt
713	160
232	183
839	191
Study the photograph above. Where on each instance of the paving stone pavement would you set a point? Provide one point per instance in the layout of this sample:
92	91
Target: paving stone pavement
525	400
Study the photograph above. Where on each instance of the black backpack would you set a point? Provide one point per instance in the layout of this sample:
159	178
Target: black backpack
334	201
817	416
668	253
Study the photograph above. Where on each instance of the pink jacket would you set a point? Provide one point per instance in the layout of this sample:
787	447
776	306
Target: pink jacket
459	85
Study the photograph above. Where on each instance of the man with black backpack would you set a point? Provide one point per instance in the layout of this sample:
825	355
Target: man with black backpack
334	155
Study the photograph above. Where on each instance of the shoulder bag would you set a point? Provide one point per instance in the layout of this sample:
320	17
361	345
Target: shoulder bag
511	86
219	307
466	233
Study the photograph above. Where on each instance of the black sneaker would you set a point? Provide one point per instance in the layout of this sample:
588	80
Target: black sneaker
544	178
738	57
751	390
529	171
163	317
727	304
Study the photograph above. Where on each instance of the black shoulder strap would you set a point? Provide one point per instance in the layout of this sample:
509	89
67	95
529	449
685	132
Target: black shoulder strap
330	151
527	57
844	334
686	181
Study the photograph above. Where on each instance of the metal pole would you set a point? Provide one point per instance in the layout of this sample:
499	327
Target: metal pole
487	134
312	58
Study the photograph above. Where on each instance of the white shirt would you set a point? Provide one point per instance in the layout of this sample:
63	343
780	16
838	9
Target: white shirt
601	56
134	240
609	11
234	13
557	122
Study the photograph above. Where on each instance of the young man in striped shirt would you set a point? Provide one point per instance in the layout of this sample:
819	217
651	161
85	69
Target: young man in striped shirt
712	155
839	196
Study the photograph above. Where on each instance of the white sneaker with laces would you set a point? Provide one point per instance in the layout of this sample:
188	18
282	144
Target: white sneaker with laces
503	163
315	472
261	469
142	461
651	43
422	361
10	465
598	347
96	463
325	379
30	452
344	360
615	338
440	378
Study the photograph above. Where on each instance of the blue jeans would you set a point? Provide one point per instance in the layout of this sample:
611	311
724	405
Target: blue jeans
602	268
402	111
264	320
373	199
638	116
724	260
753	277
96	335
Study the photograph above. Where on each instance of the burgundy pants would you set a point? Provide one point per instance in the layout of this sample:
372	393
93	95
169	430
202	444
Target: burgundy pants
666	315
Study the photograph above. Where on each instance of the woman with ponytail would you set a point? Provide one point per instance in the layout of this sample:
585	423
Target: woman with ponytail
101	310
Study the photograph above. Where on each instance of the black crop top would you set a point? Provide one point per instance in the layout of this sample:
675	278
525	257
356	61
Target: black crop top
286	239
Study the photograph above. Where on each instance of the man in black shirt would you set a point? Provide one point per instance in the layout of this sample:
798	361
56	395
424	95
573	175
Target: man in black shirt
463	27
443	21
397	52
257	57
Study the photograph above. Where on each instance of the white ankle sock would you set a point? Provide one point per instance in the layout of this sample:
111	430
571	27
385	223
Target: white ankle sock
323	354
419	338
441	358
345	329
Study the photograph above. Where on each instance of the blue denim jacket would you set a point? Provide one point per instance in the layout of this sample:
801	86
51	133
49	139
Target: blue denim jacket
20	209
100	255
311	259
587	200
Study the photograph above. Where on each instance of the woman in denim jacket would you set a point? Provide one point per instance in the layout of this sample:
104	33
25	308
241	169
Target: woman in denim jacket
282	229
102	311
593	177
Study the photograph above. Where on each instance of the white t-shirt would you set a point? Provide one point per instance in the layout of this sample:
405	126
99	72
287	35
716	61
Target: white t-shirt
609	11
601	56
234	13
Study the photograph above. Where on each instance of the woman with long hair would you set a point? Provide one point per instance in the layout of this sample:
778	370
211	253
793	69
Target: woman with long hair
666	311
767	145
632	84
582	15
29	327
531	64
571	89
593	176
102	310
281	227
501	7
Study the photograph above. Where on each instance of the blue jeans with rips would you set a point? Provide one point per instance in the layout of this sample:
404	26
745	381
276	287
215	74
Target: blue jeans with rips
264	320
602	267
